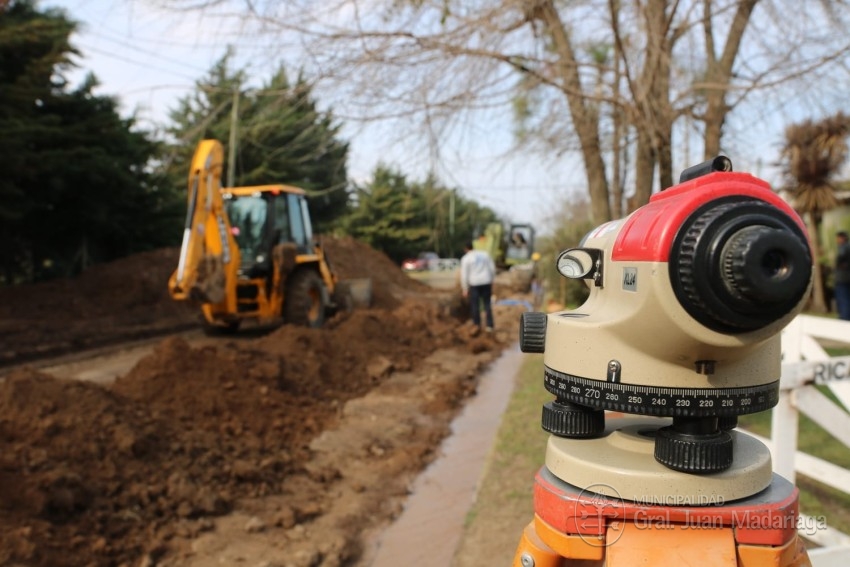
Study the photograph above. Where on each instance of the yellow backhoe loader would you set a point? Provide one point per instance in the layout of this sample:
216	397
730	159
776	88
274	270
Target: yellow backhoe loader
248	253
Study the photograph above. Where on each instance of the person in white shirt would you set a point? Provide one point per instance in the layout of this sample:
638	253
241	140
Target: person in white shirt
477	272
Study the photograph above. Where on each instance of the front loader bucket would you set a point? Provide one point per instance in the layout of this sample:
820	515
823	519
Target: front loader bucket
352	294
361	292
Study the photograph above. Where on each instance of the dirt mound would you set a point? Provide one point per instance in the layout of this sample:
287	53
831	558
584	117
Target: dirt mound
109	303
128	299
304	437
120	471
352	259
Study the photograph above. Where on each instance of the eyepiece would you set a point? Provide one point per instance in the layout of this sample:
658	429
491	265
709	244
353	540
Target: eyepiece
764	264
739	264
719	163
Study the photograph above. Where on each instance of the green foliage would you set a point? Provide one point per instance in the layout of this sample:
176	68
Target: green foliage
79	188
388	215
203	114
402	218
33	46
281	137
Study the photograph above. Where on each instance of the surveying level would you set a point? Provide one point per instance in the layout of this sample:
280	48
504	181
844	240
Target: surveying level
688	295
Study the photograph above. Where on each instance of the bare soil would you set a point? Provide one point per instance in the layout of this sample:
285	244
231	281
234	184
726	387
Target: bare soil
286	449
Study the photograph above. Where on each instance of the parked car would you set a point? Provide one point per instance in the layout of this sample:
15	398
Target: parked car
424	261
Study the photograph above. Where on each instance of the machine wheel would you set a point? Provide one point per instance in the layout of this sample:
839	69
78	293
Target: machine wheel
305	300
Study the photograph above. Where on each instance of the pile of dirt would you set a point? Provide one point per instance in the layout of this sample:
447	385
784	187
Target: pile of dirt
109	303
351	259
128	299
294	442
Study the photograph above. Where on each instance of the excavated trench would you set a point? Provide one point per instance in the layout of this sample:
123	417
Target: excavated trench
428	531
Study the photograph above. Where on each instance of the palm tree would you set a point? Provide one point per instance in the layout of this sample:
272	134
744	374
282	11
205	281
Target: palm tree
813	153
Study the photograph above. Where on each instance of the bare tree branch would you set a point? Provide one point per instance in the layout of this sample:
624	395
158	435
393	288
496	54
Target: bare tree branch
604	78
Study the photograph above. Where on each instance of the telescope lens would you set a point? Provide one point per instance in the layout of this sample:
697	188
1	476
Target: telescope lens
774	264
740	264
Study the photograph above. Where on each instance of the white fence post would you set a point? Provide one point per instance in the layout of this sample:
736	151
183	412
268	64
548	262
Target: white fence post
806	364
784	425
784	422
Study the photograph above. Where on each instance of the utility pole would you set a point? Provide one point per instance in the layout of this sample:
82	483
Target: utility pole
452	217
231	145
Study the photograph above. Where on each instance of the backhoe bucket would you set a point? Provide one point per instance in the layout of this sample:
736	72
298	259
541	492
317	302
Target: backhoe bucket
361	292
352	294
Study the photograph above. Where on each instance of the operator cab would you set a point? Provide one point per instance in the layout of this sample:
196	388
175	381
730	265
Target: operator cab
520	244
263	217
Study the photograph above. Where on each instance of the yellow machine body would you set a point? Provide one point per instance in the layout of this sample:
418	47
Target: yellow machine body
248	252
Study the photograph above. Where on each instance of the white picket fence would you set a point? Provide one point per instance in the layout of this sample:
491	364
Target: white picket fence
805	365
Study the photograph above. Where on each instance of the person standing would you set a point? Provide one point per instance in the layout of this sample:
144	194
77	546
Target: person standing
537	291
477	272
842	276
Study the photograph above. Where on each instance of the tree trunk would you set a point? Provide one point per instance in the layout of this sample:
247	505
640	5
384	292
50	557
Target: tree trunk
715	113
654	113
617	166
817	302
664	113
619	141
665	161
644	170
719	71
584	116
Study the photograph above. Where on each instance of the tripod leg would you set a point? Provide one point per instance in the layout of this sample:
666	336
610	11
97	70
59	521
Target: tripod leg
532	552
792	554
562	550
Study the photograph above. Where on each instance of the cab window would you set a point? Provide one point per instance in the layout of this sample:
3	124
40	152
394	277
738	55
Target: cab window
247	217
280	223
300	230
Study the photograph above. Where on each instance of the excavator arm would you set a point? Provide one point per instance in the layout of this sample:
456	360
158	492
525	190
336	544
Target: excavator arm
209	256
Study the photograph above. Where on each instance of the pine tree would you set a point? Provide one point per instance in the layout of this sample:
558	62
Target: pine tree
281	137
76	187
402	218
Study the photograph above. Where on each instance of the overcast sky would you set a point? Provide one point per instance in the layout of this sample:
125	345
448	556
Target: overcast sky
150	58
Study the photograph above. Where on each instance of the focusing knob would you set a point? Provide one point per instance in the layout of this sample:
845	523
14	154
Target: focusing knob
532	331
739	264
566	419
700	454
760	263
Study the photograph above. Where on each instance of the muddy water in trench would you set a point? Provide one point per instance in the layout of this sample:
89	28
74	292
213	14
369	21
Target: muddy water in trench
428	531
